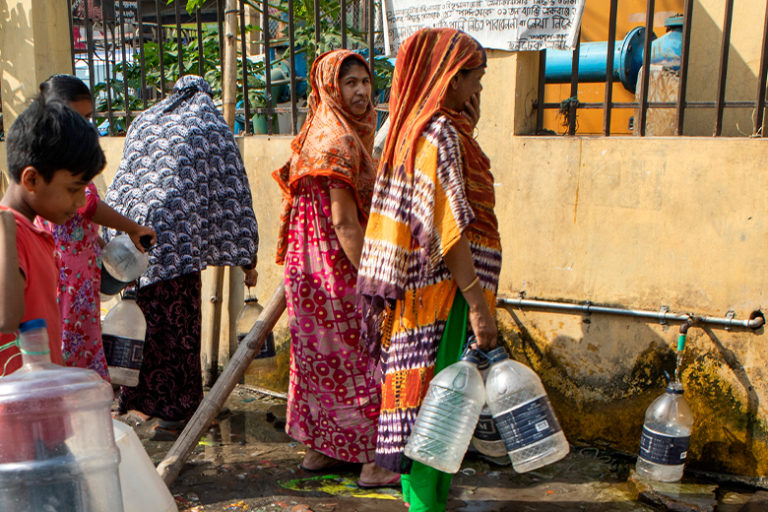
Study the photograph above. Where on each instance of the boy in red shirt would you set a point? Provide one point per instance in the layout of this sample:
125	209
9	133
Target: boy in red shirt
53	153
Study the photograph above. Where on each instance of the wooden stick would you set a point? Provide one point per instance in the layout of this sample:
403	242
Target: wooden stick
171	465
229	74
210	348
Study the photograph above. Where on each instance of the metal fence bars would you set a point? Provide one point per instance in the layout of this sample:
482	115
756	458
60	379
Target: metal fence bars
634	61
130	52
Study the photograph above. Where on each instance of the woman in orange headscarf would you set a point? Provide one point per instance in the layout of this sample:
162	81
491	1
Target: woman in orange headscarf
432	254
333	399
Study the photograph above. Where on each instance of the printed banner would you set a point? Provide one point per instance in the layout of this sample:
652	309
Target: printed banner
515	25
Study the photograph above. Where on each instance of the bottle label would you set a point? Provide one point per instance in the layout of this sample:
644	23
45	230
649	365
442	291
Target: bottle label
123	352
267	348
527	423
663	449
486	429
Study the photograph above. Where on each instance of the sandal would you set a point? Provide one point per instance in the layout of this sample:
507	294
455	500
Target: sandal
393	482
329	464
167	430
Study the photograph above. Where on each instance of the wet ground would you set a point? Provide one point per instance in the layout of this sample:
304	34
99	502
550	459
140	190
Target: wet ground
247	463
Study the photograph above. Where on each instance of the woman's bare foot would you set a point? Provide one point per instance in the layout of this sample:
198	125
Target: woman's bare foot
316	461
372	476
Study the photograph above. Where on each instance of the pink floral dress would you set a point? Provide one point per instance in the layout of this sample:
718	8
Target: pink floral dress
333	399
78	256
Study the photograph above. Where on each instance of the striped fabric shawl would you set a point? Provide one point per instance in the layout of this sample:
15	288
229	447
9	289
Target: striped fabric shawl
405	248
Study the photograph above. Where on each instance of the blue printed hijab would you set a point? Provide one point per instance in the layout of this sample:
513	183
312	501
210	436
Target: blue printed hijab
182	175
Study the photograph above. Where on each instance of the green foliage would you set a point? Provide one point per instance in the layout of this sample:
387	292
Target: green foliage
304	41
131	73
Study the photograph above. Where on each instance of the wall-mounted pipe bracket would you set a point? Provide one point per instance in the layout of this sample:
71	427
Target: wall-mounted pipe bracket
663	310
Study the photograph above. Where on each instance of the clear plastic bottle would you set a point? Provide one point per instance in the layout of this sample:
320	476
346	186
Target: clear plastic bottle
523	414
448	416
666	435
57	447
123	333
122	263
246	320
486	439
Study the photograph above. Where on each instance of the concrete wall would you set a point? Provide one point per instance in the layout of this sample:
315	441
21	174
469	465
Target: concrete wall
34	44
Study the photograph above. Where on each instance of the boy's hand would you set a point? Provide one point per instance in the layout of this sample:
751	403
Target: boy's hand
139	232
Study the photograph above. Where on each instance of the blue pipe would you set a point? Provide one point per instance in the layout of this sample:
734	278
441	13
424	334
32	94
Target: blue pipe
627	56
627	60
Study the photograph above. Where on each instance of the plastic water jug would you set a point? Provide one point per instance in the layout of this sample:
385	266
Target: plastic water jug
123	333
143	489
523	414
122	263
448	415
57	447
245	321
486	439
665	437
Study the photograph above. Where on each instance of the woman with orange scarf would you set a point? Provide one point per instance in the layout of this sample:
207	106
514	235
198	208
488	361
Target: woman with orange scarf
333	398
432	255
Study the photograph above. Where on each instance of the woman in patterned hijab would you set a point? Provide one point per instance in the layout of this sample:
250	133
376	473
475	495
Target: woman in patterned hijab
181	174
333	399
432	253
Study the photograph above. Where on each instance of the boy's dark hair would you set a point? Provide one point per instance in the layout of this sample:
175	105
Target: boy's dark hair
66	88
48	135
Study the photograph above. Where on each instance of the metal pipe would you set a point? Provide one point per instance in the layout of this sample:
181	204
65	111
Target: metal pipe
371	40
659	104
220	23
756	321
126	99
574	98
71	36
179	39
761	81
724	51
267	63
142	67
292	56
541	92
645	78
107	77
609	67
343	23
248	127
200	55
89	39
684	54
160	44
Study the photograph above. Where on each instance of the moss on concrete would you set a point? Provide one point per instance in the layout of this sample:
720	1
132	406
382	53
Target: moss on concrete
729	435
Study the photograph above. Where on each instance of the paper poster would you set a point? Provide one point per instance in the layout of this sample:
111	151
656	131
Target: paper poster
515	25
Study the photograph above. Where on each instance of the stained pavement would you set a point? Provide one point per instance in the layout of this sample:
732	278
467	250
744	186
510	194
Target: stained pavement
246	462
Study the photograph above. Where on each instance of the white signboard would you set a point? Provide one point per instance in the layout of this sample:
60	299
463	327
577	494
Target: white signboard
500	24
